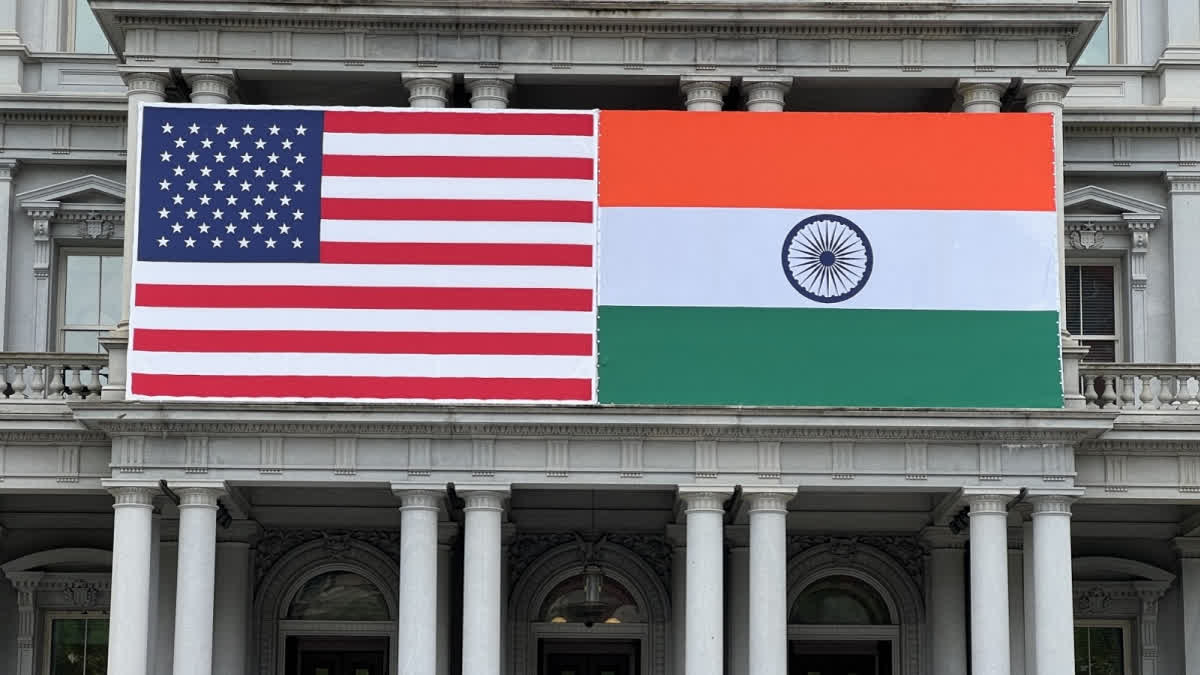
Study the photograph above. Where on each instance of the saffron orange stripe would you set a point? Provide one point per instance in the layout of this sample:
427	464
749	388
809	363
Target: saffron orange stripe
1000	162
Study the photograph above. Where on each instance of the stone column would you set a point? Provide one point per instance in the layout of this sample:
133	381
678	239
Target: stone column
129	608
210	87
489	91
1047	97
164	631
982	95
1189	588
41	214
428	90
155	566
447	533
1016	602
418	603
704	93
196	577
768	582
145	85
704	633
989	579
481	580
737	604
1028	591
1054	611
947	601
765	94
233	600
677	537
8	169
1185	251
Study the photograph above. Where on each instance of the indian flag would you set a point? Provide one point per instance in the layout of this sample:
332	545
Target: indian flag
828	259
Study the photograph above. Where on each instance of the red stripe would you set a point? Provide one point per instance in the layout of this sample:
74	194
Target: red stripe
521	210
553	255
308	386
533	124
458	167
371	297
361	342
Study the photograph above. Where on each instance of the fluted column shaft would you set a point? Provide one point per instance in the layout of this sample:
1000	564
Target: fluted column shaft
129	609
704	633
704	94
1054	611
418	581
428	90
768	583
989	583
196	579
481	581
490	92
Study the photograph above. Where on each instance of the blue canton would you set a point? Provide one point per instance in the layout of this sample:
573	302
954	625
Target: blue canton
230	185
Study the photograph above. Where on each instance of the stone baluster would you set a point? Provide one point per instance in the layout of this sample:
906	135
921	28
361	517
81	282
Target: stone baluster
1109	397
1129	400
56	382
18	381
1167	383
73	383
1146	396
37	381
1089	393
1189	398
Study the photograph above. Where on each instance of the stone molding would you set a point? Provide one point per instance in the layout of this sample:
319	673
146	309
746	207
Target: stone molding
1183	183
1135	600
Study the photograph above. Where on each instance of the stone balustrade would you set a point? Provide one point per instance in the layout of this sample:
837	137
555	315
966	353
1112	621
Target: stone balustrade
1141	386
39	376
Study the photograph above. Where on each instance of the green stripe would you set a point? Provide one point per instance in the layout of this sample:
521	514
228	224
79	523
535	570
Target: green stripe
828	357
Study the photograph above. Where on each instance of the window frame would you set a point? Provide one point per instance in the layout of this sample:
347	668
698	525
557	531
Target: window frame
1116	27
1127	626
60	290
47	633
70	10
1120	287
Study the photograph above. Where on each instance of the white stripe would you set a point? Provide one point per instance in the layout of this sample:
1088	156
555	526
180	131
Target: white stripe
386	320
936	260
456	145
309	274
353	187
455	232
378	365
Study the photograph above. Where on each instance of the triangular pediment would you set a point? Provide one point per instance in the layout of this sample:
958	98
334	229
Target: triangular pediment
1092	200
89	189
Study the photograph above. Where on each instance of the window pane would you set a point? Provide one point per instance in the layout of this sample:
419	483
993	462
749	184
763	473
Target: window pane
1074	316
97	647
82	341
67	647
110	290
1099	650
89	39
1102	351
1097	52
82	295
1098	300
339	596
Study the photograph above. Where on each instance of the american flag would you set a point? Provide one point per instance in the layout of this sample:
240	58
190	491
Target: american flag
336	254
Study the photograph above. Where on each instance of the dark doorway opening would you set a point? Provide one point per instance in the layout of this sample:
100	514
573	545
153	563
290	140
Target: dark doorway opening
588	657
866	657
337	656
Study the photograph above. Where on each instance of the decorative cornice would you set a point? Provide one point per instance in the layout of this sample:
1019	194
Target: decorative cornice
67	116
82	436
1183	183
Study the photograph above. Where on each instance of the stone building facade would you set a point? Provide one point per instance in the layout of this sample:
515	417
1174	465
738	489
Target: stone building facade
277	539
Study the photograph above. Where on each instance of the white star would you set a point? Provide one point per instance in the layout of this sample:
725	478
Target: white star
205	171
178	171
163	213
167	128
191	243
233	143
300	130
243	243
246	158
231	200
260	172
270	243
176	228
164	184
216	242
195	128
271	214
191	185
272	158
300	158
231	228
297	242
287	145
191	214
179	142
247	130
221	128
244	214
257	228
192	156
258	201
297	215
286	172
272	185
207	143
162	241
285	228
232	171
299	187
260	144
204	227
218	186
218	214
285	200
166	156
245	186
219	157
274	130
204	200
178	199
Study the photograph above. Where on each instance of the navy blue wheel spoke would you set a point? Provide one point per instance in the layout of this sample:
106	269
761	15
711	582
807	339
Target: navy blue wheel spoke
827	258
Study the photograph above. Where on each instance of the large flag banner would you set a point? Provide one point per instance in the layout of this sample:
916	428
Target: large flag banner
288	254
581	257
828	259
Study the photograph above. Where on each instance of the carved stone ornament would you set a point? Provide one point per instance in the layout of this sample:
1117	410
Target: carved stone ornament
908	552
1086	236
526	548
654	550
80	593
1093	600
275	543
94	226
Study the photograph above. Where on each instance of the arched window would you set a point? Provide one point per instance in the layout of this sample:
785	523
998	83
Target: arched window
840	600
339	596
569	602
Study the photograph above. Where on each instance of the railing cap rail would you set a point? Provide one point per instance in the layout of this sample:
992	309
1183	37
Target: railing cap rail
1140	368
52	358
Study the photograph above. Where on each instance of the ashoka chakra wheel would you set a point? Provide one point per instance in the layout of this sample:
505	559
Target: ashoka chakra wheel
827	258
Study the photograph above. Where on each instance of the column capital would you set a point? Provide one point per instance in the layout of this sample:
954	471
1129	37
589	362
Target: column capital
427	90
983	500
1183	183
1045	93
982	94
420	499
483	497
768	500
8	169
210	83
704	498
704	93
199	493
489	91
151	81
1187	547
938	538
1053	502
132	492
766	94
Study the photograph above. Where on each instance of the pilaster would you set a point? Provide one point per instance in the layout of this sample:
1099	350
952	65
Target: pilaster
489	91
428	90
702	93
8	170
41	215
1184	206
947	600
1189	586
